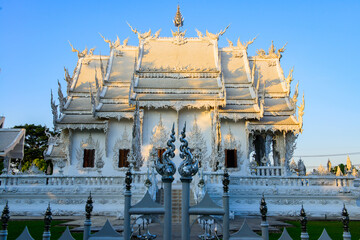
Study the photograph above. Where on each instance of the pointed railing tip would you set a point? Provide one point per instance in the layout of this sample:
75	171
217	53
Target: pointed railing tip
263	208
345	219
226	181
89	207
5	216
128	180
303	219
47	218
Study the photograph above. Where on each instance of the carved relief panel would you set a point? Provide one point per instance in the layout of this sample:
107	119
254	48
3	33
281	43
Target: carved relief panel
90	144
123	143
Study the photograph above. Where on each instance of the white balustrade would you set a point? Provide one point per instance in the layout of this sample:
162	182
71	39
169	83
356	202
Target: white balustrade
264	176
270	176
49	180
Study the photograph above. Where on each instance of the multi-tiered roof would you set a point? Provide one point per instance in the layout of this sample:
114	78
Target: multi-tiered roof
179	72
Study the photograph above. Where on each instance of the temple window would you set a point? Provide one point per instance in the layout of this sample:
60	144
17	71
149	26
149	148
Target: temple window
160	154
89	158
123	155
230	158
259	143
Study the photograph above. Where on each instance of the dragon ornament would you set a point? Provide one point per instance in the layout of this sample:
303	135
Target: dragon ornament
188	167
167	168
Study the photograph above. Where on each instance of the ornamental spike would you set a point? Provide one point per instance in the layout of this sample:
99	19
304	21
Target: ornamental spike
167	168
263	208
345	219
89	207
47	219
5	216
128	180
303	219
226	181
188	167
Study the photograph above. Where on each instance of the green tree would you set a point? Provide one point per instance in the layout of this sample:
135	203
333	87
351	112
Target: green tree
341	166
35	145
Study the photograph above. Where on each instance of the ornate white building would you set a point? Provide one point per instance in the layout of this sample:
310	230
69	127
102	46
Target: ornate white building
240	114
239	109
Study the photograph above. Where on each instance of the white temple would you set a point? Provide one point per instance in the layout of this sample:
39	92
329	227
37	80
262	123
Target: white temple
240	111
239	108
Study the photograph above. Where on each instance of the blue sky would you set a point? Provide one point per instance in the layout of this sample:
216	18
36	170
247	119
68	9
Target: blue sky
323	45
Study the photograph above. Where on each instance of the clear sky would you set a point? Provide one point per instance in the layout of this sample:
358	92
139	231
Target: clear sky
323	44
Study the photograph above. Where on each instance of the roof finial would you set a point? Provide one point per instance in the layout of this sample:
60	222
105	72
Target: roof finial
178	20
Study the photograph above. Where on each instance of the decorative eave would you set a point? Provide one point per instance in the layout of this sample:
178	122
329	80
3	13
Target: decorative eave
79	122
82	126
178	105
115	115
15	148
293	126
240	116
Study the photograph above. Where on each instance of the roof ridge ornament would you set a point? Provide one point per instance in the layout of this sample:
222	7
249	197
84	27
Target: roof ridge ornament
212	36
178	20
84	53
301	113
142	36
240	45
272	52
178	36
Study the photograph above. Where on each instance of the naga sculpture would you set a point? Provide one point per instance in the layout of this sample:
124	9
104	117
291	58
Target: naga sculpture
167	168
140	35
272	52
240	45
187	168
54	109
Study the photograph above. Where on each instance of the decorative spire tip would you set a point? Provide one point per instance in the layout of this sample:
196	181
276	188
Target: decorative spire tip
178	20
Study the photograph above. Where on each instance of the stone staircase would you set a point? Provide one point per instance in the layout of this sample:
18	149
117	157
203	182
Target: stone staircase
176	203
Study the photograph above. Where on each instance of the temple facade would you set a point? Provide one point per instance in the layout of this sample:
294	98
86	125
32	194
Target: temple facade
239	109
240	114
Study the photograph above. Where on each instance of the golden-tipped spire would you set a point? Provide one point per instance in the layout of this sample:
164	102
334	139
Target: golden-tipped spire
178	20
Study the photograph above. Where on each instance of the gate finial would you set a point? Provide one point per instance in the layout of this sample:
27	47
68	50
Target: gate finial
226	181
89	207
47	219
187	168
345	219
5	216
303	219
263	208
167	168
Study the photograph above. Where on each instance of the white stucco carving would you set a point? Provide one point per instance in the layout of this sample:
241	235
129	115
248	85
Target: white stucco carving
197	143
121	143
90	143
160	135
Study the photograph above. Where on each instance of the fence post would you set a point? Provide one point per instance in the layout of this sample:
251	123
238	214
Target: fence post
226	218
303	221
87	222
345	220
47	223
5	216
127	205
187	169
264	223
167	169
